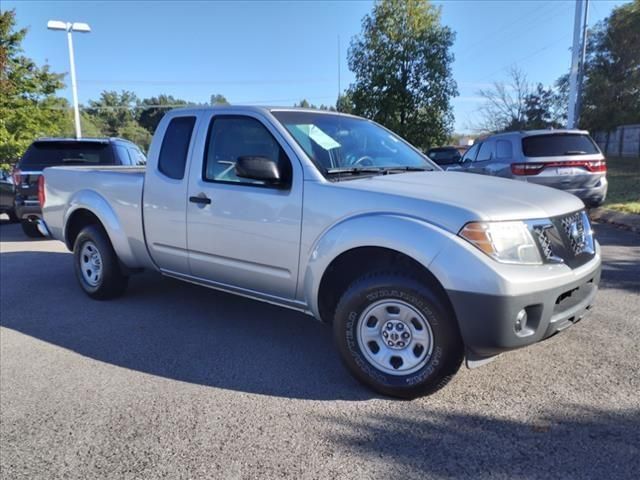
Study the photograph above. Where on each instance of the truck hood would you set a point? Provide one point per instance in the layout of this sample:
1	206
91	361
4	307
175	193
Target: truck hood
476	197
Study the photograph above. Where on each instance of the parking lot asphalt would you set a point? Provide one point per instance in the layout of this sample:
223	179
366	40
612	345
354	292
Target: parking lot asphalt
177	381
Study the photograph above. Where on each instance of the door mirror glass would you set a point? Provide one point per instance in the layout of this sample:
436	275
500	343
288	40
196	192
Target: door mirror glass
258	168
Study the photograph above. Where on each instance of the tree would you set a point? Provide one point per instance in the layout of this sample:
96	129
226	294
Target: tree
504	107
344	104
542	108
218	99
517	106
151	110
28	105
611	94
114	111
134	132
304	103
402	65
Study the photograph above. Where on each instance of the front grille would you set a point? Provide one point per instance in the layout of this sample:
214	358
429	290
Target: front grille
566	239
575	229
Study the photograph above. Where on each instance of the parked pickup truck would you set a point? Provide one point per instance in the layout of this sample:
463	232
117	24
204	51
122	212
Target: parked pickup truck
417	269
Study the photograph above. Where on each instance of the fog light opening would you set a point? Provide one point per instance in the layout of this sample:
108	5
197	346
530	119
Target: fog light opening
520	325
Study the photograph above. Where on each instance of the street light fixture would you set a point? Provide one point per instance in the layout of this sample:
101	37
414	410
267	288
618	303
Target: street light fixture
71	27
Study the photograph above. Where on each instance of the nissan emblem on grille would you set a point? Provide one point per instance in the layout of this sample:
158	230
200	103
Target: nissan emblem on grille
574	227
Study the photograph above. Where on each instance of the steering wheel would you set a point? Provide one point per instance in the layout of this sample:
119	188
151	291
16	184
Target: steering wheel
365	161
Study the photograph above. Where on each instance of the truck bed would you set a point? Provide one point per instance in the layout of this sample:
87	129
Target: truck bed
118	190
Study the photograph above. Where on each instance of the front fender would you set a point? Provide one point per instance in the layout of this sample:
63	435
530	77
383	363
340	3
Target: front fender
411	236
95	203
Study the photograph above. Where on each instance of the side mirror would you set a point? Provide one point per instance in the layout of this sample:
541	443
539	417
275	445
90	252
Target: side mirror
258	168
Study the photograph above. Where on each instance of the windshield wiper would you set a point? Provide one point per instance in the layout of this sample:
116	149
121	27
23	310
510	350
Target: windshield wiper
406	168
380	170
354	170
575	152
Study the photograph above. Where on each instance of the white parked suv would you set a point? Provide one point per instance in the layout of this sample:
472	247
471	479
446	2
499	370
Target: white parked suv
566	159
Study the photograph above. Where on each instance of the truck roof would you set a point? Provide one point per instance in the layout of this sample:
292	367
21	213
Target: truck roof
82	139
547	131
254	108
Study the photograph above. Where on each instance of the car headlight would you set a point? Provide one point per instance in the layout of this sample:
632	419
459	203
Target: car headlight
506	242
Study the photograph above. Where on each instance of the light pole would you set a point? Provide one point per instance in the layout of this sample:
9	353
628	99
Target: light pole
71	27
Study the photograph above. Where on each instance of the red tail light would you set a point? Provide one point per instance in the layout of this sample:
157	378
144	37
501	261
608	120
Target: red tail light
17	176
527	168
593	166
41	197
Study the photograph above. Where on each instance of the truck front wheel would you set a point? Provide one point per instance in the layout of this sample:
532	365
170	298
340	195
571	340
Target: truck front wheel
96	264
397	336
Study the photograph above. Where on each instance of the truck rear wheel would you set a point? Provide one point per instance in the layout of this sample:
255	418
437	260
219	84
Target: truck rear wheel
96	264
30	229
397	336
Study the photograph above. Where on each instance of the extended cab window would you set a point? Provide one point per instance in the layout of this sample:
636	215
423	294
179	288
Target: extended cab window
233	137
175	147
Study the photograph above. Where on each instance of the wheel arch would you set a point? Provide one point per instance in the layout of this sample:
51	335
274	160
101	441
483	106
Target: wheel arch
89	208
367	243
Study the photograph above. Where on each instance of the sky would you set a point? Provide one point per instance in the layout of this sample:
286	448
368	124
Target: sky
279	52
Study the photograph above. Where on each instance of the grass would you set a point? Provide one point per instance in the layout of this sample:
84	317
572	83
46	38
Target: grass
624	184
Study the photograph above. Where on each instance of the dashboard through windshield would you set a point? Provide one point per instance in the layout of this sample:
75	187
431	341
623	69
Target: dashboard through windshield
339	144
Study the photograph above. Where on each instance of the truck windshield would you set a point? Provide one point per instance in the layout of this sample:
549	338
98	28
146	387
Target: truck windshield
339	144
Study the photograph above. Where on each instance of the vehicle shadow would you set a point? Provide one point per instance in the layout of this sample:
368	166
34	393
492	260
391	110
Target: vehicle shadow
12	232
621	266
175	330
567	441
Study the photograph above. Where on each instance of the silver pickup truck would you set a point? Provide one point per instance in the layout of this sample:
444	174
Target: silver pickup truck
417	269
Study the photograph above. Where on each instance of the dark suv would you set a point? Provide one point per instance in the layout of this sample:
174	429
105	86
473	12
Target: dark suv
51	152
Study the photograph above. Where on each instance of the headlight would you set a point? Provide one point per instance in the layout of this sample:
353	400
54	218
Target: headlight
507	242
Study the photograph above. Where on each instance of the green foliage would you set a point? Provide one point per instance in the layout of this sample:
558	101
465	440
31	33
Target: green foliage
217	99
402	64
28	105
151	110
344	104
517	106
134	132
113	111
304	103
612	71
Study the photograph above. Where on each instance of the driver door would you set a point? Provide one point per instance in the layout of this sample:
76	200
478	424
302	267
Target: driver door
244	233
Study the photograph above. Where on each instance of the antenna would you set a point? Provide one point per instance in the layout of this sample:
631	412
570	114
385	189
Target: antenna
339	89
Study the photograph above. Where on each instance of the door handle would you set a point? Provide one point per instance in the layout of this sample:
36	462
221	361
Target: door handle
202	200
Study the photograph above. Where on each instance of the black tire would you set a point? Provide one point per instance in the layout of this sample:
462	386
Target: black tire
13	218
447	351
30	229
111	282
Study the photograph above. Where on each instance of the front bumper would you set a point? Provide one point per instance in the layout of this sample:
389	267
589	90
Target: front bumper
488	322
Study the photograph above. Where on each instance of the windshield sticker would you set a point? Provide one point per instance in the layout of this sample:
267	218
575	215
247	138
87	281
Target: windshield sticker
318	136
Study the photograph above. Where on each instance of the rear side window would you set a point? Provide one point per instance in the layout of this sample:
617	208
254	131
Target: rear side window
504	149
556	145
175	146
50	154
